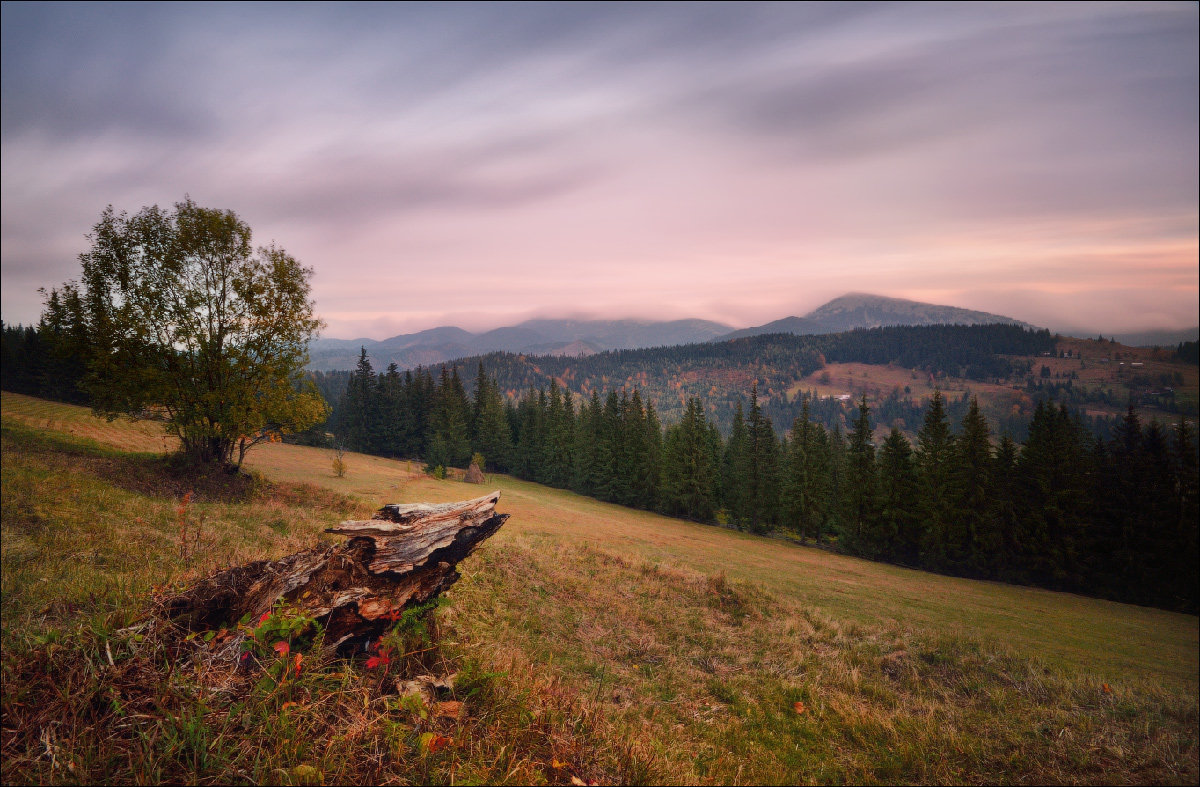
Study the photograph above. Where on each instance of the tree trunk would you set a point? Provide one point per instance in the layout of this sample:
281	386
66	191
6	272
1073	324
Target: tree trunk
404	556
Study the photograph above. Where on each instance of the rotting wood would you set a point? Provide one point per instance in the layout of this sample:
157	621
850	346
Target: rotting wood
404	556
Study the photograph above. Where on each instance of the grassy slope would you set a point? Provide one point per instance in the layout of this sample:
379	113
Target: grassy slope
646	648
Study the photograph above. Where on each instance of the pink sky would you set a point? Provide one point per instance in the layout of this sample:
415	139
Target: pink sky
478	165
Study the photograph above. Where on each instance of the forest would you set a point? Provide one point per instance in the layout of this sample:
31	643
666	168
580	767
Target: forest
1054	502
1114	518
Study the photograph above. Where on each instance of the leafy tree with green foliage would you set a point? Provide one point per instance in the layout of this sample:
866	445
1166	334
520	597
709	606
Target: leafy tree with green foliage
185	318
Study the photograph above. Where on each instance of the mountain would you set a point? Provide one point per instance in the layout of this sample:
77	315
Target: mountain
582	337
860	310
535	337
1158	338
800	326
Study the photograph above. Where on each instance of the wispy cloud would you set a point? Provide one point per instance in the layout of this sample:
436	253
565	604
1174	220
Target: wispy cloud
482	163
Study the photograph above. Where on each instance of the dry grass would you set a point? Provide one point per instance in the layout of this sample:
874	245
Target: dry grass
591	641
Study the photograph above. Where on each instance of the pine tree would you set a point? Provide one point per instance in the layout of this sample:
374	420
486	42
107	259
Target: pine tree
762	460
358	409
898	535
689	475
972	538
652	483
392	427
861	491
1184	582
586	462
449	441
836	458
806	488
735	470
492	435
1005	507
559	438
1054	476
609	450
935	457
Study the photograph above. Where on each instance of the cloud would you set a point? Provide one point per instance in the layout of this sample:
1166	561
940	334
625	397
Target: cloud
730	161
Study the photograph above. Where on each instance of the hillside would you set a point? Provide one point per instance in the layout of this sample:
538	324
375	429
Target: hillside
570	337
860	310
783	366
540	336
592	642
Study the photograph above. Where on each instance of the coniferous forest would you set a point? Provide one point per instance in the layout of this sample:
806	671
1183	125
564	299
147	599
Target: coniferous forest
1109	513
1115	518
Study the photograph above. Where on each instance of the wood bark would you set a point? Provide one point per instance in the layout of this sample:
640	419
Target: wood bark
402	557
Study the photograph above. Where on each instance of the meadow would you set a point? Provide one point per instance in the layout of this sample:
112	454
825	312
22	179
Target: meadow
592	643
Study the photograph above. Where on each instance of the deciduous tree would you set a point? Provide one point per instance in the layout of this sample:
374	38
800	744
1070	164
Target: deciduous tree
184	317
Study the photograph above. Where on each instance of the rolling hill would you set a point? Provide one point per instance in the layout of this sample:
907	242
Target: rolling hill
541	337
860	310
590	643
582	337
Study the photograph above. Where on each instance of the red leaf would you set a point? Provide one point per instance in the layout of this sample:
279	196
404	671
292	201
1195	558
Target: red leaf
299	658
375	661
264	617
281	648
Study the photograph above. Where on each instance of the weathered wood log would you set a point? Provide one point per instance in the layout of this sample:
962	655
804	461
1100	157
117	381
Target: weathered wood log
404	556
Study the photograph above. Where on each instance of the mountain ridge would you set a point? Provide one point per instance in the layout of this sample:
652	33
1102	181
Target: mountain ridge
543	336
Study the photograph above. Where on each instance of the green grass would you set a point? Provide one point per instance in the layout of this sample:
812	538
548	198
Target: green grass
591	641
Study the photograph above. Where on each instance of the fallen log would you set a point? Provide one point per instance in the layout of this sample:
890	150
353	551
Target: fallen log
403	557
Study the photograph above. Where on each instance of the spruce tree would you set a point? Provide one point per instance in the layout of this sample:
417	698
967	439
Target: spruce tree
1005	507
492	435
586	462
861	496
609	450
357	412
935	458
762	463
898	535
972	537
836	459
689	477
1184	582
735	475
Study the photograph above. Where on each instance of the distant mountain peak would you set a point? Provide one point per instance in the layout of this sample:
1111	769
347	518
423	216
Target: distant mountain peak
864	310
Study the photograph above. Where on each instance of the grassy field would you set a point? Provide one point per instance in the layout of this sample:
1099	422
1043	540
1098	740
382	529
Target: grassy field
592	642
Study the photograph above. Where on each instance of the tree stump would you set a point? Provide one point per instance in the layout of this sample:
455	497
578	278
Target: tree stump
403	557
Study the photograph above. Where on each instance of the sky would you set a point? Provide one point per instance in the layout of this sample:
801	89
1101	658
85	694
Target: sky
477	165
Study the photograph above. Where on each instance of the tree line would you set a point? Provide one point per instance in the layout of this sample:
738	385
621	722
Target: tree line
1115	518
